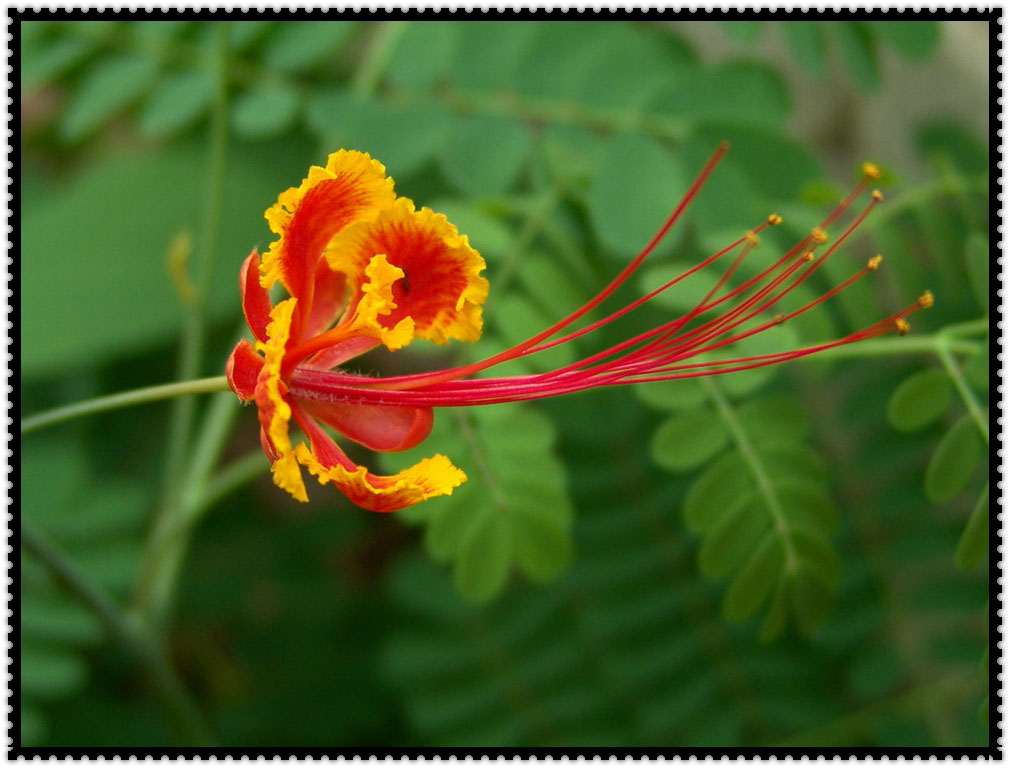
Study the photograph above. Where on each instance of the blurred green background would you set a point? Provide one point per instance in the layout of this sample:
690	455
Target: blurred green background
610	574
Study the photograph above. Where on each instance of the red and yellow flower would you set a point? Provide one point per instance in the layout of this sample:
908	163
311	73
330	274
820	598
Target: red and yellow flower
363	268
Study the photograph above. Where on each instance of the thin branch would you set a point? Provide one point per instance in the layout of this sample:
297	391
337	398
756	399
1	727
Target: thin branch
123	400
757	470
133	637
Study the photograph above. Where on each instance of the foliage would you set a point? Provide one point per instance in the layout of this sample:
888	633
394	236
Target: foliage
693	562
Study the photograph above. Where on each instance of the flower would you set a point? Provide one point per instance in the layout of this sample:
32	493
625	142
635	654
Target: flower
363	267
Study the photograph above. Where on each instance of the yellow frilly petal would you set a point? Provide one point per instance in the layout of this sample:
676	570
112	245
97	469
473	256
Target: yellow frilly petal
365	191
377	300
441	288
435	476
274	411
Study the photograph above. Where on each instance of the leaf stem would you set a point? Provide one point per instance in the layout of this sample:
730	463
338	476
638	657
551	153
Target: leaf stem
122	400
967	396
192	340
757	470
133	636
376	57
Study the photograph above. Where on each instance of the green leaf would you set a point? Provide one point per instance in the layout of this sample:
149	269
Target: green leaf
248	33
177	101
756	152
58	619
298	46
714	492
483	559
954	461
805	40
94	247
974	541
341	119
687	440
627	74
503	514
484	154
777	338
485	231
919	400
858	53
776	417
728	542
754	582
778	612
34	726
976	254
516	318
636	186
48	61
740	92
811	600
954	142
912	39
542	547
742	31
423	54
488	53
550	285
48	673
673	395
110	87
265	111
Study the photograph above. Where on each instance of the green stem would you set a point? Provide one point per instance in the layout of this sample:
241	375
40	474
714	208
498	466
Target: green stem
123	400
169	539
908	345
132	636
232	477
535	219
967	396
757	470
373	63
192	340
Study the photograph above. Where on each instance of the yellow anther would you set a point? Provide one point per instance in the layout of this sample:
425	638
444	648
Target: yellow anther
752	239
774	219
818	235
926	299
902	325
873	262
877	195
870	170
779	318
808	256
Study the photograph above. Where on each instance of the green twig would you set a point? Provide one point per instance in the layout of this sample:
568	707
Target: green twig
757	470
532	225
123	400
193	323
231	477
967	396
373	63
169	539
134	637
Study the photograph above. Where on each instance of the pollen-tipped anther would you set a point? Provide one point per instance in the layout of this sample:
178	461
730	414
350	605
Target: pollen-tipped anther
779	318
870	170
926	299
808	256
752	239
818	236
877	195
874	262
774	219
902	325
